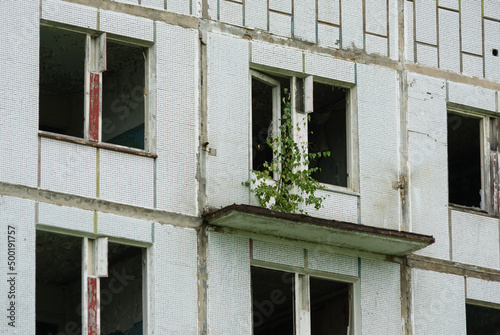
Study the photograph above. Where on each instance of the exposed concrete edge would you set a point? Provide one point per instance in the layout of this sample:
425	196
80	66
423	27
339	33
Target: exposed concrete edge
182	20
444	266
99	205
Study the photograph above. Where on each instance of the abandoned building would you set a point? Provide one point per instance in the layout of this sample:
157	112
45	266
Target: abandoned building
123	207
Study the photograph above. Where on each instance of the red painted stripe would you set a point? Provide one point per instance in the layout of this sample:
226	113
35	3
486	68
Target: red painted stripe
94	107
92	297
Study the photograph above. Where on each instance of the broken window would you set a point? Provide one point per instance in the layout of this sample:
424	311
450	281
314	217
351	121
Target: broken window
110	274
291	303
328	126
328	132
92	88
482	320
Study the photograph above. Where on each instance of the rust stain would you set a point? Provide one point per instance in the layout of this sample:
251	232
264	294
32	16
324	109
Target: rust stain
94	107
92	309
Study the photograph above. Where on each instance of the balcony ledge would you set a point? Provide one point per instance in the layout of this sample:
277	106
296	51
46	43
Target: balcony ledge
315	230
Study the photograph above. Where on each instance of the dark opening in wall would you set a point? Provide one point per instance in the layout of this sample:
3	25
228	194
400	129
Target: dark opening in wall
62	68
329	307
262	118
123	102
272	302
328	132
482	320
464	160
58	284
495	52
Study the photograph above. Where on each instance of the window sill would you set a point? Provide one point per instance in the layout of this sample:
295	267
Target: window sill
107	146
470	210
339	189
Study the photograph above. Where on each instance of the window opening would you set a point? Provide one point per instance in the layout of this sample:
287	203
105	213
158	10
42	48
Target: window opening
330	312
62	73
123	96
114	273
328	132
116	90
482	320
58	284
464	160
273	302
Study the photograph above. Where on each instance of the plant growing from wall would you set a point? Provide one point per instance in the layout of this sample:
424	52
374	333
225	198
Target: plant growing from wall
293	183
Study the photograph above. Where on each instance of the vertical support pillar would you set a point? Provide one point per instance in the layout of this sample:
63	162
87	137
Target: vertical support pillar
94	107
302	305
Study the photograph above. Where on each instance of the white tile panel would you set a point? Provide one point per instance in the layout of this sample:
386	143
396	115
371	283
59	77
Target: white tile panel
19	89
126	178
68	168
376	16
126	25
427	106
352	24
492	41
471	96
131	2
277	56
427	55
175	290
409	32
438	303
376	45
231	12
333	263
451	4
228	120
179	7
256	14
470	12
449	40
427	152
229	296
20	214
177	75
491	9
329	67
213	9
329	11
378	127
277	253
280	24
124	227
380	297
483	290
336	206
69	13
157	4
425	15
472	65
329	36
284	6
475	240
304	21
66	217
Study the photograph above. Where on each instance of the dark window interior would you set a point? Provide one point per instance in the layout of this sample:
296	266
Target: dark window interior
273	302
327	132
482	320
329	307
62	65
262	120
464	160
123	95
58	283
121	291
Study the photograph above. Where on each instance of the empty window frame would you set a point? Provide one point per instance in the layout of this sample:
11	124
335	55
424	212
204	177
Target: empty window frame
473	161
328	131
110	274
482	320
92	87
292	303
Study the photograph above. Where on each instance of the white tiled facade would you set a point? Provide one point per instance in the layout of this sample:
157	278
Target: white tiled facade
405	64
